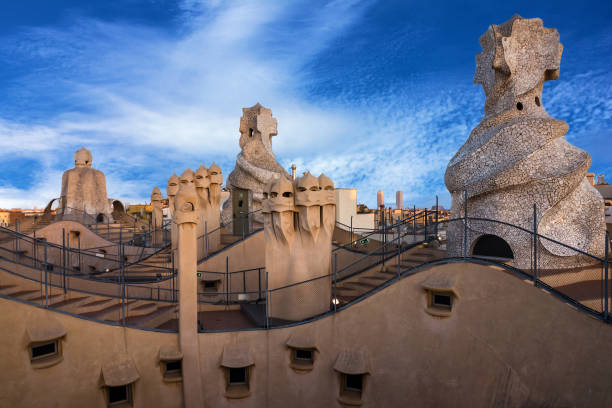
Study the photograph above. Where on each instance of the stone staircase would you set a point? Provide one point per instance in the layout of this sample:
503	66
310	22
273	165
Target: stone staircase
358	285
25	228
141	313
114	232
153	268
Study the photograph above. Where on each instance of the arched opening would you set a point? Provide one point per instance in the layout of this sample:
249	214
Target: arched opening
50	206
118	207
492	246
100	218
49	209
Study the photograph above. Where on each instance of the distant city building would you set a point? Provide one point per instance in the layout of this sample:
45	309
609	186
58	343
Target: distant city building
4	218
349	213
380	199
18	215
605	190
399	200
142	211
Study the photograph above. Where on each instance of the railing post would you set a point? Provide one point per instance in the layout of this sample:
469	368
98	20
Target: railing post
122	277
399	249
46	287
465	225
69	261
244	282
384	235
173	275
35	249
16	239
79	253
414	223
335	299
352	231
535	246
227	281
267	303
43	265
606	260
259	282
437	219
206	236
425	233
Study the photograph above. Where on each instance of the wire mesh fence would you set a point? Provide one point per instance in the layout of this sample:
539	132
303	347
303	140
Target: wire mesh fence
213	235
142	291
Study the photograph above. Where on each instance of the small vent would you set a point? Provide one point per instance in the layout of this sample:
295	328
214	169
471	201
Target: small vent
237	376
44	350
119	395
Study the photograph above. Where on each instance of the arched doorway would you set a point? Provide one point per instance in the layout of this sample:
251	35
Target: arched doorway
100	218
118	210
493	246
118	207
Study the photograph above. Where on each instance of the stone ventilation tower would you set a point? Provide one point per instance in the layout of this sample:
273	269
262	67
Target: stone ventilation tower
299	219
517	156
255	164
157	216
84	189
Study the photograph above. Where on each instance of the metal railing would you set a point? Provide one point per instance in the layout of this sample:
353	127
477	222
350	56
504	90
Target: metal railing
129	231
209	243
407	247
586	287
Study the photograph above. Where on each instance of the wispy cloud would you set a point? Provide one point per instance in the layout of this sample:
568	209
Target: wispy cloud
139	97
149	102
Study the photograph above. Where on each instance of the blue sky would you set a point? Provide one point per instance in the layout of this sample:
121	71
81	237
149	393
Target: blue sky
378	95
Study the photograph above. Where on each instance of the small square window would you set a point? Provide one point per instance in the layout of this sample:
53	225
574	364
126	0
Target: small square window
210	285
302	359
237	376
302	355
237	383
41	351
173	369
441	300
119	395
351	389
352	382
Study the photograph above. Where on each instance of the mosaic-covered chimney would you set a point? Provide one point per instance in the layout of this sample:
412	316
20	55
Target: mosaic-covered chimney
517	156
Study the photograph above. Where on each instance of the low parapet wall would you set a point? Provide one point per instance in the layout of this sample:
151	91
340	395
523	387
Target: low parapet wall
502	343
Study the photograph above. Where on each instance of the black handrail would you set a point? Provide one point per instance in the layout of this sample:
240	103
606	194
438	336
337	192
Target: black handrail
399	235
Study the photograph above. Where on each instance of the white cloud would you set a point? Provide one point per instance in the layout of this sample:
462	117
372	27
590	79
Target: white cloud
149	102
